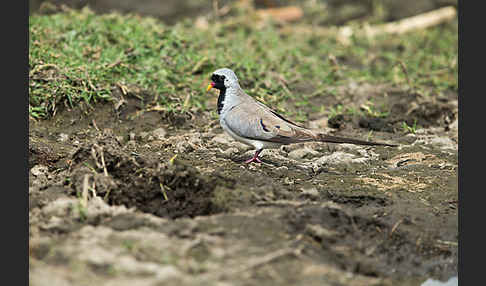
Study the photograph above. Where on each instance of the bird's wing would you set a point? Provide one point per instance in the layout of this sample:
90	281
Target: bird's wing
254	120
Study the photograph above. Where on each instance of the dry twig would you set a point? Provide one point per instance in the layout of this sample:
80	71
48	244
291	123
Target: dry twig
395	226
98	151
84	194
421	21
344	34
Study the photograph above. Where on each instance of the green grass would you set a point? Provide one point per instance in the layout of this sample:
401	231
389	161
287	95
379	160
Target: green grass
410	129
79	58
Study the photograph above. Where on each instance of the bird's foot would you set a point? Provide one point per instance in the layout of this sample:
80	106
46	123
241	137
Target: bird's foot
254	158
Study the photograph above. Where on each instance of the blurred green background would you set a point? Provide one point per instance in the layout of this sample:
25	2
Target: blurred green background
340	11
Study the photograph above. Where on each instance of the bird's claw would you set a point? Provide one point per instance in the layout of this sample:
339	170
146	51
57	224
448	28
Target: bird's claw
254	159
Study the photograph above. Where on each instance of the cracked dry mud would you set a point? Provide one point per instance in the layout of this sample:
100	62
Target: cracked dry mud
111	204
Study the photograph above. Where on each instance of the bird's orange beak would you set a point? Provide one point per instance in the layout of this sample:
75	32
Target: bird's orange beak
210	86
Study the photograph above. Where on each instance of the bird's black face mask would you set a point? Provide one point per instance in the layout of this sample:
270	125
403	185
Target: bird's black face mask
217	81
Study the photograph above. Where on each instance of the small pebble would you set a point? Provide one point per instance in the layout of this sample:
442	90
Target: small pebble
63	137
159	133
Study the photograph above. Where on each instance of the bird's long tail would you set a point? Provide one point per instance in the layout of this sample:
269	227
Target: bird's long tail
335	139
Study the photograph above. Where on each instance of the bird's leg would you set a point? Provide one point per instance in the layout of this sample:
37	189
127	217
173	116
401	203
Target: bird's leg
255	157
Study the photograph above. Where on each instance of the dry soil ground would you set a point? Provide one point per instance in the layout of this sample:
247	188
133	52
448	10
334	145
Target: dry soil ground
111	204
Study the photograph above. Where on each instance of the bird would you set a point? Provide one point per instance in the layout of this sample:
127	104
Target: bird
253	123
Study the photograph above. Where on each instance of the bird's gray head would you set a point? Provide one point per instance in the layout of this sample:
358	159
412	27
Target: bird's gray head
223	78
